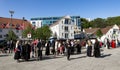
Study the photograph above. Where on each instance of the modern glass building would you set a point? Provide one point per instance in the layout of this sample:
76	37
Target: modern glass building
41	21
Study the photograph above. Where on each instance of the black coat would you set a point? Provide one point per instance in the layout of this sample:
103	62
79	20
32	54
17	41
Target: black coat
97	49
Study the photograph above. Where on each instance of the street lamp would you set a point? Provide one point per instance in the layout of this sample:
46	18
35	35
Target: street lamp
11	13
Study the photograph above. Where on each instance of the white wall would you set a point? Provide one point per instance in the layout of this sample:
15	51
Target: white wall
38	23
59	29
5	31
109	35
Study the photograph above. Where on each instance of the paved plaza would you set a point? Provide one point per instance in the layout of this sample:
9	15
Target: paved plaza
110	60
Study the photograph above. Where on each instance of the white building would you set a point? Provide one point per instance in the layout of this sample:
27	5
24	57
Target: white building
36	23
112	34
63	28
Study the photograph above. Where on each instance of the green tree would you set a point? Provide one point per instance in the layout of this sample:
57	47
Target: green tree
29	30
99	33
11	36
98	23
43	33
85	23
113	20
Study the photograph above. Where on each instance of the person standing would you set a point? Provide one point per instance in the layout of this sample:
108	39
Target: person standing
97	48
53	47
108	44
68	50
78	47
89	48
39	46
27	51
47	52
56	47
17	51
72	46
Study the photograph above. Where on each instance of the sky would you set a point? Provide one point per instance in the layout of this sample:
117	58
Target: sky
47	8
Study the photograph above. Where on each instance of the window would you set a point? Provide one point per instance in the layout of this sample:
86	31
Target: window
114	31
62	34
73	20
5	35
66	21
0	30
62	22
17	31
71	27
0	36
33	23
71	34
66	28
62	27
66	35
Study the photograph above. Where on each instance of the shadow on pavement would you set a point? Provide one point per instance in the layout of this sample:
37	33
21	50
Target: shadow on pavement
4	55
51	57
78	57
104	55
43	58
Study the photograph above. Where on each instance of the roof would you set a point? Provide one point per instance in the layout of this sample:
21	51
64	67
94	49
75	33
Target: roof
105	30
15	22
57	22
91	30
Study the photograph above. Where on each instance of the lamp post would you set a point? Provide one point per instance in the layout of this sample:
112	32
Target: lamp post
11	14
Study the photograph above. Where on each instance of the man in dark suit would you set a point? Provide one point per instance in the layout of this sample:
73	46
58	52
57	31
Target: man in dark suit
39	46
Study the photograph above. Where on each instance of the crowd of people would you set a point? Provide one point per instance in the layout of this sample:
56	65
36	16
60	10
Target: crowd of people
26	49
34	49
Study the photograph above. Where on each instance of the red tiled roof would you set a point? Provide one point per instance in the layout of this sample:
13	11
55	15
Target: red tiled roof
105	30
15	22
91	30
94	30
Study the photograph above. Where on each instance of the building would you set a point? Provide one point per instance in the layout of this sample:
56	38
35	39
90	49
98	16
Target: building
17	26
38	22
111	33
63	28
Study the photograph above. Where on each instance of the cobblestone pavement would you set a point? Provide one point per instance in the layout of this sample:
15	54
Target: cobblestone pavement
110	60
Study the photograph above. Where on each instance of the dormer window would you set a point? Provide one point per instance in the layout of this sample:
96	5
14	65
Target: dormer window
67	21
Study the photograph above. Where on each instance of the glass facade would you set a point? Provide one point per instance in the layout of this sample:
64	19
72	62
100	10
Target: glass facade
50	20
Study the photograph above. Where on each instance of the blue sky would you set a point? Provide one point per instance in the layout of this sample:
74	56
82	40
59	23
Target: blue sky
45	8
